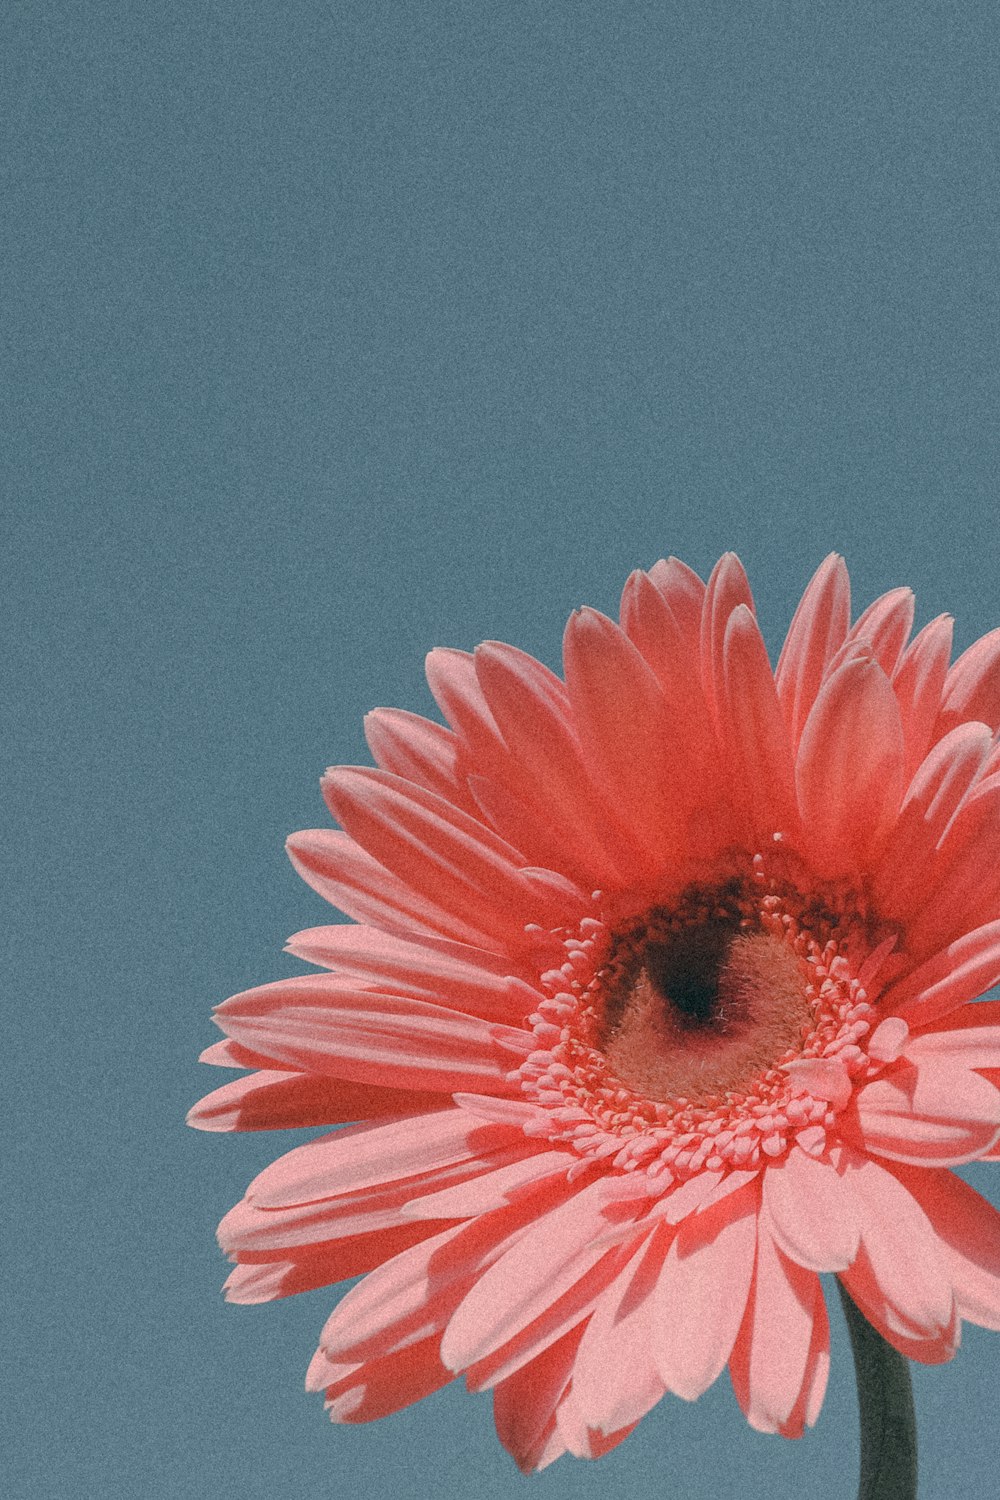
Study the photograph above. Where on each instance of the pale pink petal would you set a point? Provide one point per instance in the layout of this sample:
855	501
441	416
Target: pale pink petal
620	712
466	978
961	972
818	630
229	1054
323	1024
850	765
346	876
812	1212
964	882
702	1291
451	676
900	1270
549	1260
685	593
280	1100
972	687
934	1115
885	626
439	851
494	1189
773	1352
385	1385
552	776
418	750
727	588
918	683
754	729
263	1275
810	1399
524	1404
581	1440
615	1379
969	1231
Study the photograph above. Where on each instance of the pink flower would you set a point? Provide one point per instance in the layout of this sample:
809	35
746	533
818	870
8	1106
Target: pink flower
659	1002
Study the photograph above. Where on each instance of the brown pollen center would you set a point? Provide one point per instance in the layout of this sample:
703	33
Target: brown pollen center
702	1011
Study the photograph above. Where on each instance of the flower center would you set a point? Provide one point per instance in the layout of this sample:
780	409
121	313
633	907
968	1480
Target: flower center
695	1010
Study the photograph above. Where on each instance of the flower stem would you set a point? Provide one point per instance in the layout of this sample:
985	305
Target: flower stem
885	1409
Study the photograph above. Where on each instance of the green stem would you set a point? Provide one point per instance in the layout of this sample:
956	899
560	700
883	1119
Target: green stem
885	1409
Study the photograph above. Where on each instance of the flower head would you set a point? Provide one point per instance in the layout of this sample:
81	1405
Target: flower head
659	998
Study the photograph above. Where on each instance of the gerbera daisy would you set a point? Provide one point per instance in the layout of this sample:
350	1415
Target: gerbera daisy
657	1001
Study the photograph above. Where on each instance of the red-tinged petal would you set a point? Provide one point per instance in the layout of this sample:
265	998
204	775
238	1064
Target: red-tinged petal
943	780
468	979
928	1116
918	683
771	1357
818	630
964	880
263	1276
229	1054
727	588
685	593
965	1045
317	1024
583	1441
376	1154
900	1271
813	1216
969	1231
534	716
615	1379
885	626
346	876
438	851
694	1322
810	1399
452	678
524	1404
382	1386
972	687
754	728
551	1258
278	1100
961	972
619	710
418	750
850	765
493	1189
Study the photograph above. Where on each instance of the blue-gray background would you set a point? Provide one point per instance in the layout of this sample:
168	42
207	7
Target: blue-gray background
332	332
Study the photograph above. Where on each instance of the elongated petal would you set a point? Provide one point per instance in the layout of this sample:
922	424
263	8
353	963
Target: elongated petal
968	1229
524	1404
727	588
885	626
755	729
813	1217
850	766
818	630
918	683
615	1378
960	972
280	1100
418	750
772	1354
694	1327
685	593
972	687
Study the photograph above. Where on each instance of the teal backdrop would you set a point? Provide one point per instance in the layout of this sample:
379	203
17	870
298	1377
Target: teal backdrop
332	332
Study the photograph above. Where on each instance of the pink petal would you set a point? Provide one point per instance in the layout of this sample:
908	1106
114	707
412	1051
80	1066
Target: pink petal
346	876
754	731
702	1291
818	629
772	1355
969	1230
936	1115
381	1386
685	594
810	1399
961	972
492	1189
727	588
972	687
849	767
900	1271
465	978
619	709
262	1275
918	683
452	678
418	750
229	1054
438	851
885	626
279	1100
551	1258
322	1024
964	883
615	1379
524	1404
812	1212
